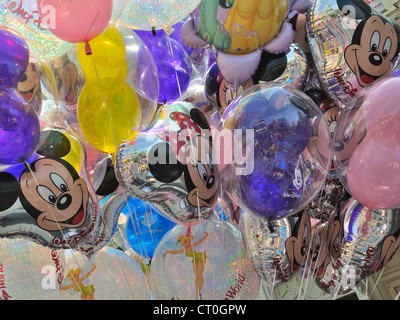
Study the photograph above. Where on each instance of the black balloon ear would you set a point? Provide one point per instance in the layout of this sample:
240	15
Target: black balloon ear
9	190
163	163
211	83
56	145
355	9
271	67
198	117
109	183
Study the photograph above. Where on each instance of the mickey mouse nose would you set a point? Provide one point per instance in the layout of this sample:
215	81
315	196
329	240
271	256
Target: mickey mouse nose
210	182
375	59
64	202
338	145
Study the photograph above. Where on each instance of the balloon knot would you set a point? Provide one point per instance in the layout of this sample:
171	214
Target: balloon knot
188	232
153	30
88	48
368	215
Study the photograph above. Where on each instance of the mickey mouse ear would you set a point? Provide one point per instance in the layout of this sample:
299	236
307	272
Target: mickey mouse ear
56	145
9	190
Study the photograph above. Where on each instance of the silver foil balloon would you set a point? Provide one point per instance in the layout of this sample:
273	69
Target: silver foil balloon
361	242
351	44
49	199
170	165
277	248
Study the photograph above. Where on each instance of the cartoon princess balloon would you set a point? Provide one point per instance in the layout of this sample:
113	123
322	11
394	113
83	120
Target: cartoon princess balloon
198	258
239	30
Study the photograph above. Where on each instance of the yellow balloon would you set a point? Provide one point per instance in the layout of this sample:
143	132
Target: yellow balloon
107	58
106	122
75	155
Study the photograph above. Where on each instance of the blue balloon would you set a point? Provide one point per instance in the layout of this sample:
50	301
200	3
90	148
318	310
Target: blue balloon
145	227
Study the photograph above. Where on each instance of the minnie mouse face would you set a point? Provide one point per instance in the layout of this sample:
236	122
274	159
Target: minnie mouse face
54	194
372	51
192	158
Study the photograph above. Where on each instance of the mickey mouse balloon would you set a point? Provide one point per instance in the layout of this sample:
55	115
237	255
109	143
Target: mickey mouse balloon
171	165
352	46
50	202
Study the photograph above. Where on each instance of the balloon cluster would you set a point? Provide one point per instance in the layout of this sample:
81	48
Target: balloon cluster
196	149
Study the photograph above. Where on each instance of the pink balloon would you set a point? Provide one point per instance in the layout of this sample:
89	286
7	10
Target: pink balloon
76	20
373	173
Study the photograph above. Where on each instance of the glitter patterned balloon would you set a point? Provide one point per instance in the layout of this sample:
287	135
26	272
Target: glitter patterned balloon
27	271
205	262
110	274
277	248
158	14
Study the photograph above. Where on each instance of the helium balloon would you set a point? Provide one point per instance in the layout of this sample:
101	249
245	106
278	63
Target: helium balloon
173	65
171	165
360	47
108	275
108	112
51	203
361	242
108	58
207	262
145	227
240	31
90	18
22	18
277	249
156	14
27	271
282	162
366	146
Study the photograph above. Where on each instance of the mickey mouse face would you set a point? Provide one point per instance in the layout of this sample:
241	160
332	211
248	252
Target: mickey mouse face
227	93
59	196
374	46
67	78
29	84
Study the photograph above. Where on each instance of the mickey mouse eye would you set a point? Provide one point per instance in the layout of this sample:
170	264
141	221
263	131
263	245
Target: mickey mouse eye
228	97
386	47
46	194
375	39
202	171
348	133
209	160
59	182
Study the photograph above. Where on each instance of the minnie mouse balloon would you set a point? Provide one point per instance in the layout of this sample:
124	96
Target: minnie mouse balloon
171	165
352	46
51	202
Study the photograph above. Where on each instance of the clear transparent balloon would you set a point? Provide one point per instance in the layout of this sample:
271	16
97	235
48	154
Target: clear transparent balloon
273	150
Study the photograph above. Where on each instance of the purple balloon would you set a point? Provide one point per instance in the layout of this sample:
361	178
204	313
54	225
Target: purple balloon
19	128
14	59
173	64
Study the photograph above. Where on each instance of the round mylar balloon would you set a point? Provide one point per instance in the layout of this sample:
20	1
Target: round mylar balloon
277	249
28	271
366	145
158	14
352	46
109	274
52	201
171	165
208	263
275	154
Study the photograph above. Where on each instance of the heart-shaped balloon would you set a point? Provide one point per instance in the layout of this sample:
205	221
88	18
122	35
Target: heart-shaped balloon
171	165
352	46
